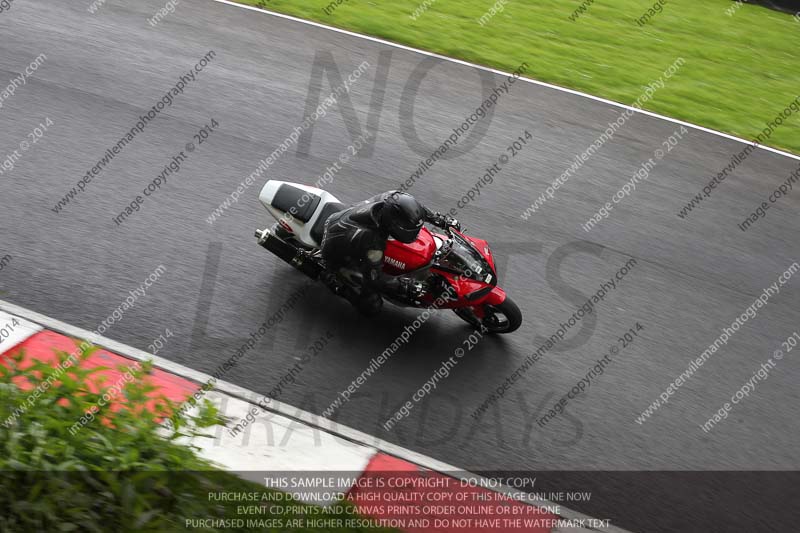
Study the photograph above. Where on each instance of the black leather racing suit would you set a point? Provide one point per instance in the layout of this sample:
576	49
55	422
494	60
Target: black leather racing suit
355	238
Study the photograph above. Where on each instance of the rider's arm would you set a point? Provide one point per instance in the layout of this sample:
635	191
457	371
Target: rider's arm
372	252
370	247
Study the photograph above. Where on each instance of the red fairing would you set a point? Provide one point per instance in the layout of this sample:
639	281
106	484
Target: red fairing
400	257
483	248
496	297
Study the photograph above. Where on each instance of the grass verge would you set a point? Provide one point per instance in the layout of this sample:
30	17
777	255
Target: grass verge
741	69
118	473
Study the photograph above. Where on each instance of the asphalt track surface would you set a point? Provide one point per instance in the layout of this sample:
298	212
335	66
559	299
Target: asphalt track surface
692	276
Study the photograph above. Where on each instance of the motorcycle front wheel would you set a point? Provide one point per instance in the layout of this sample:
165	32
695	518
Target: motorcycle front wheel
501	318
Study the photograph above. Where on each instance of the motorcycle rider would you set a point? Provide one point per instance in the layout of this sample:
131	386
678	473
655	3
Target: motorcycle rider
356	238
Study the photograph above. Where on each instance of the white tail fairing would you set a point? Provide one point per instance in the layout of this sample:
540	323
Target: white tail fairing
299	208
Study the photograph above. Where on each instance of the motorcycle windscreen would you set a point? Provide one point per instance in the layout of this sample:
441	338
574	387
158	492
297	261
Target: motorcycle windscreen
462	257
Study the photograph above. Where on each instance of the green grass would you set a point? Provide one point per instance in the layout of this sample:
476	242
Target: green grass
117	473
740	70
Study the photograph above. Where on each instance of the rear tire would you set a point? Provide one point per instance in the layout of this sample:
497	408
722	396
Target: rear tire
501	318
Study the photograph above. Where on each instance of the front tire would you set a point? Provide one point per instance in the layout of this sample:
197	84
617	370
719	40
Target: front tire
504	317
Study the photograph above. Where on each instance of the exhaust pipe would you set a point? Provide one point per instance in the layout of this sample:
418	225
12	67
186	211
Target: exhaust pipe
288	253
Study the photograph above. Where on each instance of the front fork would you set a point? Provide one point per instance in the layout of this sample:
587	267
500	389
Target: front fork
494	297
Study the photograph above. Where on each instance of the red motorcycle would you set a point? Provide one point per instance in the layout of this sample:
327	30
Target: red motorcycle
448	271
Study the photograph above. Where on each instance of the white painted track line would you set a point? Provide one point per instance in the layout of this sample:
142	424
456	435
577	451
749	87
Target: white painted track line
496	71
11	334
279	444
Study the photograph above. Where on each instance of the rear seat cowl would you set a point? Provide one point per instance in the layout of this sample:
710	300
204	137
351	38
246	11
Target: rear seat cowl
289	196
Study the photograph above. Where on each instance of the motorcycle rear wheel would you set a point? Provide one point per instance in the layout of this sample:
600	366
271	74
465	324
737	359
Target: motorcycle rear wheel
501	318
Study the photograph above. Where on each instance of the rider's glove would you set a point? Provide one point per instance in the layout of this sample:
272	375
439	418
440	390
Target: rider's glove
451	222
445	221
411	288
